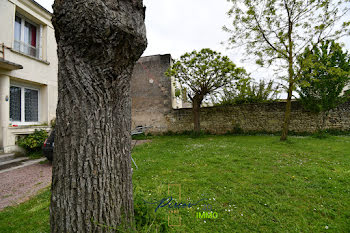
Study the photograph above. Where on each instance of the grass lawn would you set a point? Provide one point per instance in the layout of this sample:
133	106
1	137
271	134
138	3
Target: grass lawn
253	183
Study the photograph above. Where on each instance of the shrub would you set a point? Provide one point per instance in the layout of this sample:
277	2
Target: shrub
321	134
247	91
33	142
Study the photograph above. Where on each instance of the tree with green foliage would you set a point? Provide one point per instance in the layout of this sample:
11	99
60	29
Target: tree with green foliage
248	91
202	74
325	74
278	31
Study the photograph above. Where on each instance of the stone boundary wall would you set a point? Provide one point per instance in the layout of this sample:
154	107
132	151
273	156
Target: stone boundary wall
265	117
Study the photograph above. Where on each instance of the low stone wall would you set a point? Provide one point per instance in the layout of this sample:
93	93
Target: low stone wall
267	117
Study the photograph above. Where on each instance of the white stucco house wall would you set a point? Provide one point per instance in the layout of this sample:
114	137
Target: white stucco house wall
28	70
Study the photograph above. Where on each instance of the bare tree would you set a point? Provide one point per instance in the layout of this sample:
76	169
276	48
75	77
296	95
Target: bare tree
99	42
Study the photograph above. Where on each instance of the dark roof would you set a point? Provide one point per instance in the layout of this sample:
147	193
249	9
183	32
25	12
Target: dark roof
40	6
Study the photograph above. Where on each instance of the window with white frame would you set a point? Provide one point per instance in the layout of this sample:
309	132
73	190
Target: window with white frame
27	36
24	104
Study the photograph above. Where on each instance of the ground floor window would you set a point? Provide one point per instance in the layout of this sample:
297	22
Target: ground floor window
24	104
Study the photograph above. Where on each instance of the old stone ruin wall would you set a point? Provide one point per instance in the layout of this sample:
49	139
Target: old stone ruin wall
151	93
154	105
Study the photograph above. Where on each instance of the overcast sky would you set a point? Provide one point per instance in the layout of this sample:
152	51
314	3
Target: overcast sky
179	26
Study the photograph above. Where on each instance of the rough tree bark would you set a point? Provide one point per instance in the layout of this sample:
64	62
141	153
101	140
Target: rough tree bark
99	42
286	122
196	108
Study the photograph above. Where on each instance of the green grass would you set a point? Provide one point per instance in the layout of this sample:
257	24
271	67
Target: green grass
31	155
31	216
35	155
259	184
254	183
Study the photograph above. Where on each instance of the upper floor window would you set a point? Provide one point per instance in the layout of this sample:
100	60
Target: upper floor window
27	37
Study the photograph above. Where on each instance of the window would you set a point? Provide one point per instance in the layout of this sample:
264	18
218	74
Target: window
15	104
24	104
27	37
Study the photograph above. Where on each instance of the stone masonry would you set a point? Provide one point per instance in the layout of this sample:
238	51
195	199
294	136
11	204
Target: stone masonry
153	105
264	117
151	93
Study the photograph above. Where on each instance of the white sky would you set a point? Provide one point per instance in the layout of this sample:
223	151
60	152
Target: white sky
179	26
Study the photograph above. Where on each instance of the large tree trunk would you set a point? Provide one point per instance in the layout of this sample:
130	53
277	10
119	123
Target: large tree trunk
99	42
285	127
287	113
322	116
196	108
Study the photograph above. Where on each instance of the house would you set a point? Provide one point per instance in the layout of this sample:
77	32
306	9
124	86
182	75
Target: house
28	70
28	76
